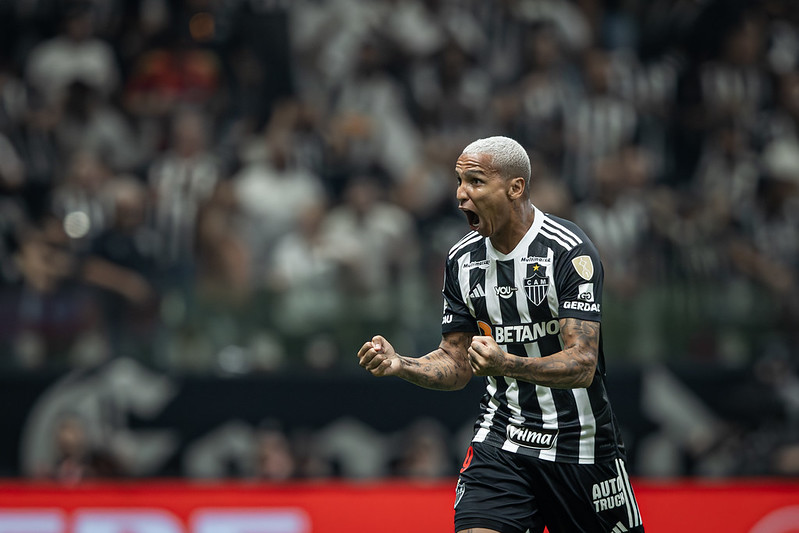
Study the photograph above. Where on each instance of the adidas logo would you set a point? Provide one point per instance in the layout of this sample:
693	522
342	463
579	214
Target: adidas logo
619	528
477	292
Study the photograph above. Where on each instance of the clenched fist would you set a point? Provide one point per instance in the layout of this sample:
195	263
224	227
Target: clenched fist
487	358
379	357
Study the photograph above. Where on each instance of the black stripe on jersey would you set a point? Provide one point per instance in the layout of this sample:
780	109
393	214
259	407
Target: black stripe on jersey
477	278
506	284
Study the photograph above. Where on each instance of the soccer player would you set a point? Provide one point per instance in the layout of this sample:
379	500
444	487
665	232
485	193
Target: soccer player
522	307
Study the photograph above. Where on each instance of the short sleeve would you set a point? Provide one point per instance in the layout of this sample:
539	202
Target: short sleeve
456	315
579	279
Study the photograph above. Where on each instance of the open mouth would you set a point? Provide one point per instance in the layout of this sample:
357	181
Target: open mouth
472	218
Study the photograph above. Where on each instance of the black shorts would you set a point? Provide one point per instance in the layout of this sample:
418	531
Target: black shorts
512	493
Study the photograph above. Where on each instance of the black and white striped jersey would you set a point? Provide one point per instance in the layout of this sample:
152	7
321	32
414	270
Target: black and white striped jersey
519	298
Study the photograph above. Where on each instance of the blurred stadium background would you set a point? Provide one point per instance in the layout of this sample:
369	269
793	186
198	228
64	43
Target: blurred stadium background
207	206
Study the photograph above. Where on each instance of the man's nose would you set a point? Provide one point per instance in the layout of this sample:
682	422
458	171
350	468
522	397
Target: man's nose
460	193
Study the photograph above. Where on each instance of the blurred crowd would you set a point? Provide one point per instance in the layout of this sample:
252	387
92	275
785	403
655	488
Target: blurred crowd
267	452
260	185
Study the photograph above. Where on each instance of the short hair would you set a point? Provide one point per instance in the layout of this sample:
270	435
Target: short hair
508	156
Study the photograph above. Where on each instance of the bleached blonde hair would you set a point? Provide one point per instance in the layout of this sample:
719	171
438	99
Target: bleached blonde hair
508	157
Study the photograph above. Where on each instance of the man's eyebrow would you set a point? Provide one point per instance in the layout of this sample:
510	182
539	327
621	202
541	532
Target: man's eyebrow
473	173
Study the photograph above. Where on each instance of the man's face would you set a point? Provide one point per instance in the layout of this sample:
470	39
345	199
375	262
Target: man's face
482	194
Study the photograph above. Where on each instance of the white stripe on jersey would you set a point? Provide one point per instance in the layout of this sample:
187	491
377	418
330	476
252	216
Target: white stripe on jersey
552	293
508	446
488	416
462	239
512	392
492	300
556	227
556	238
465	241
549	413
512	396
633	514
587	426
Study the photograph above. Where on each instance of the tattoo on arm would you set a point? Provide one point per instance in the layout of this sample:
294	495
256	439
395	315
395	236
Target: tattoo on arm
580	333
574	367
445	368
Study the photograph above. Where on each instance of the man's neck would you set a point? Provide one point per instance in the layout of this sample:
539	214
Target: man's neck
522	217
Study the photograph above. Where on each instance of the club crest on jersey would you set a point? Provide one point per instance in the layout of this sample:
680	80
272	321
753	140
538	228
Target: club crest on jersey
536	286
584	266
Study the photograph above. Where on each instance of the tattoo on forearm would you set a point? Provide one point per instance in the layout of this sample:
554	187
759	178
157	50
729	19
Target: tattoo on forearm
444	368
581	332
576	364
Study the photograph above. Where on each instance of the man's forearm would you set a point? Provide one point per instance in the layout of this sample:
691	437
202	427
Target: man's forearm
570	369
437	370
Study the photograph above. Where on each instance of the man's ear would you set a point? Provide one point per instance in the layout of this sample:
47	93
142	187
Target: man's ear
516	188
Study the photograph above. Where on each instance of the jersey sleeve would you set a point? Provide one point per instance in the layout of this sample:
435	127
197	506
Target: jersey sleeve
579	279
456	315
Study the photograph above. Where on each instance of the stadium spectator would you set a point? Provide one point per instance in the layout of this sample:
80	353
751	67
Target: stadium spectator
382	254
180	179
600	123
224	265
450	92
80	196
77	457
37	145
370	125
13	99
12	169
304	277
618	221
170	74
534	107
275	459
91	123
123	263
49	318
422	453
273	188
73	55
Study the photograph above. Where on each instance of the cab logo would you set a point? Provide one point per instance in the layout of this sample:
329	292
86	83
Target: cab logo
155	521
536	287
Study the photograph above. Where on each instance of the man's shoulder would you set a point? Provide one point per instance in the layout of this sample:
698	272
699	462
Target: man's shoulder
564	232
467	243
